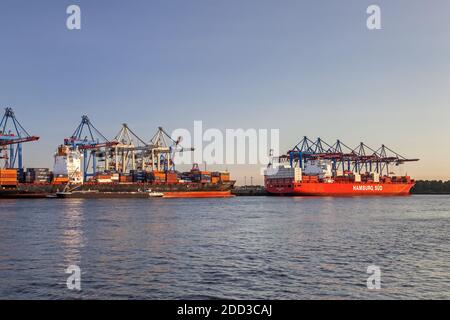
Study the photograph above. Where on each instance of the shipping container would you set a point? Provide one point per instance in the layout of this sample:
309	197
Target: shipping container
125	178
225	176
38	170
59	180
171	177
215	179
37	175
104	180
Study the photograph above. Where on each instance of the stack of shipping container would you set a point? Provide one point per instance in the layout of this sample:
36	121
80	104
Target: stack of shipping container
224	176
37	175
125	178
215	177
103	178
8	177
60	178
139	176
156	177
171	177
43	175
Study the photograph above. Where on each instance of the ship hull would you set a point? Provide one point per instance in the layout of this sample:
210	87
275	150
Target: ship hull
104	195
199	194
341	189
122	190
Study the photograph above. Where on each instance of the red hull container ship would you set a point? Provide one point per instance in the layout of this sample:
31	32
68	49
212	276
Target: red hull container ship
316	168
337	188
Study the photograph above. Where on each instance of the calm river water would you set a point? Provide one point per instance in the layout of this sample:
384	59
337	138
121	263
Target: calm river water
238	248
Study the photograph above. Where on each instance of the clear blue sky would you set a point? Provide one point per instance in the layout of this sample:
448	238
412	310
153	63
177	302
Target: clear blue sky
305	67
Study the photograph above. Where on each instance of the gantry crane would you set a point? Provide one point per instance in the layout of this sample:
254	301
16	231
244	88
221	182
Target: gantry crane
358	159
12	135
93	145
124	156
160	155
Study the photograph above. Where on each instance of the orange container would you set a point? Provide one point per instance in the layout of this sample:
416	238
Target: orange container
104	176
126	179
8	177
60	180
4	183
8	171
215	179
171	175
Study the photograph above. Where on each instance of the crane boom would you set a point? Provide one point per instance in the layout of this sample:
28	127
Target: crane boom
17	140
12	135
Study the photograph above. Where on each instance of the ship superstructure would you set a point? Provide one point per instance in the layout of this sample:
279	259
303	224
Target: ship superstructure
67	165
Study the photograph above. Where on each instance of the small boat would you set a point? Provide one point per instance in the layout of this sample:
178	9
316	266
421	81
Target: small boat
79	194
154	194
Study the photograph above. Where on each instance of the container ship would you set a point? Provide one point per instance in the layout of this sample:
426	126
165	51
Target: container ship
88	165
316	168
202	184
43	183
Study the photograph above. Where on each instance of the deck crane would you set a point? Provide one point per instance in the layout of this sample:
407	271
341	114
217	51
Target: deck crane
362	158
12	135
161	155
91	142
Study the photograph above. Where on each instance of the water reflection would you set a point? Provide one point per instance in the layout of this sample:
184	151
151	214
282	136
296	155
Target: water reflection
71	225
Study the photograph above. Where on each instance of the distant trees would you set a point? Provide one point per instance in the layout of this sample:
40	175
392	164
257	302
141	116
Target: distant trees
431	187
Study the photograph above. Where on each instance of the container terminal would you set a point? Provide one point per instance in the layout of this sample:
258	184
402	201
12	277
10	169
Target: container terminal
88	165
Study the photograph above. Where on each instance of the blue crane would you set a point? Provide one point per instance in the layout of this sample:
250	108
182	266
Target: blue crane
358	159
12	135
87	139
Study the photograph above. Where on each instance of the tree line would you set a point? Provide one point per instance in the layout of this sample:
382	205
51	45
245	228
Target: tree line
431	187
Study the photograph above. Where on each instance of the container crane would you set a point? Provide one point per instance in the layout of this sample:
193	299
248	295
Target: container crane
124	155
343	158
12	135
161	154
91	145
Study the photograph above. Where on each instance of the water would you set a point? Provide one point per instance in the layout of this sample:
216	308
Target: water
239	248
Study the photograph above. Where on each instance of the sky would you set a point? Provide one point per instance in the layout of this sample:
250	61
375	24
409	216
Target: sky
304	67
